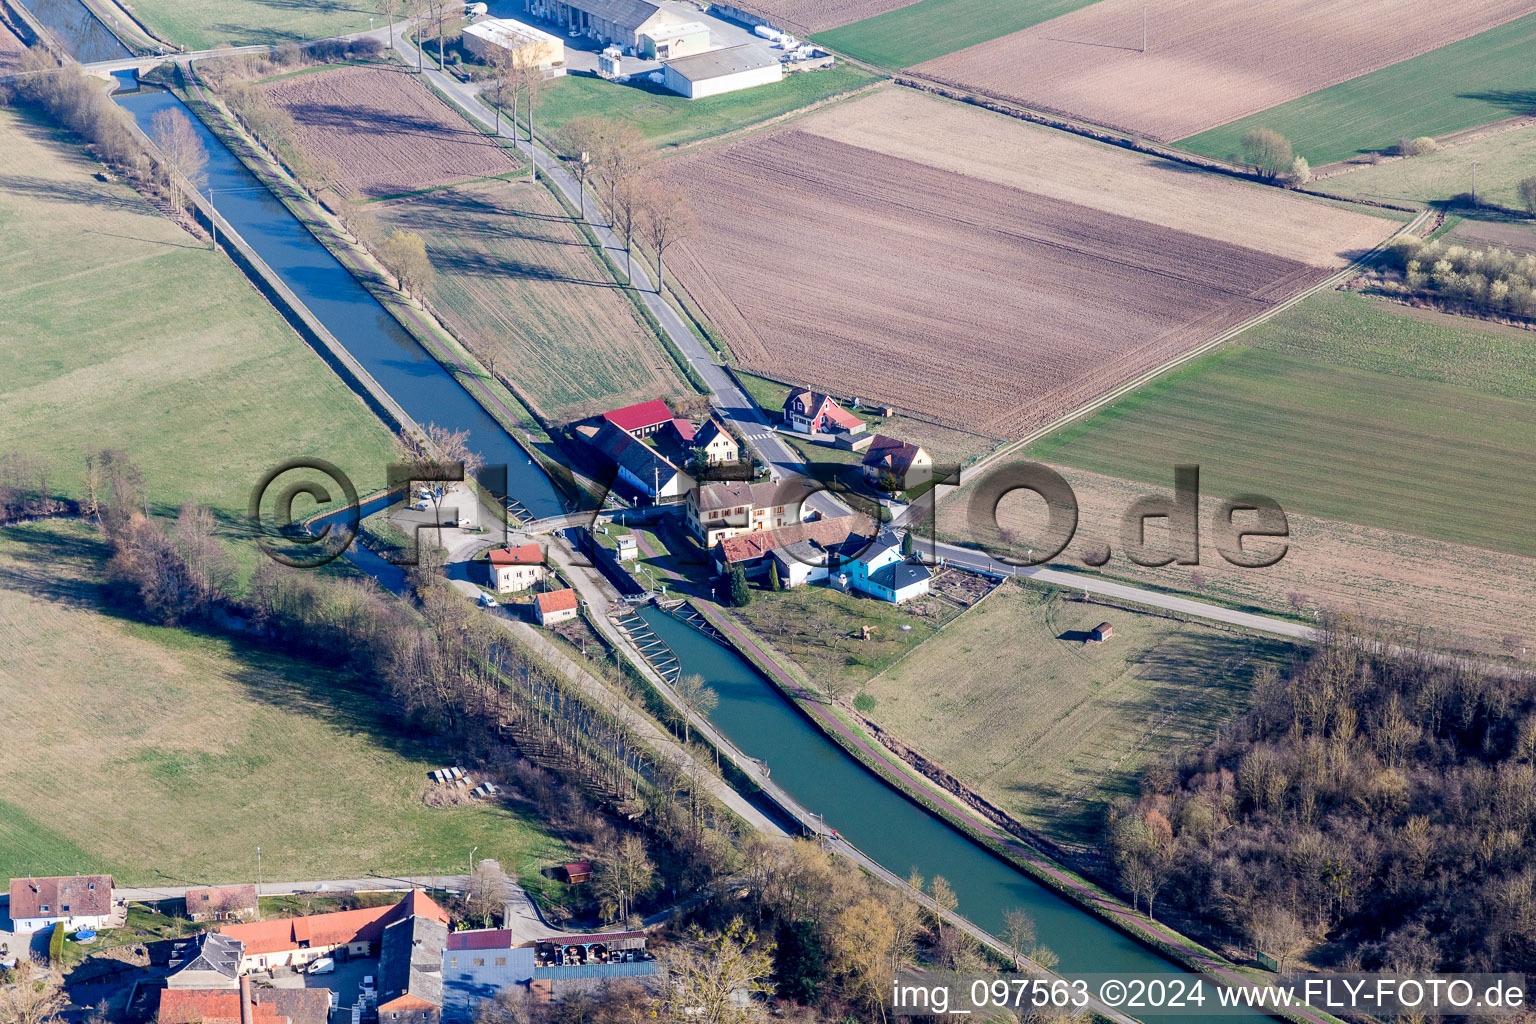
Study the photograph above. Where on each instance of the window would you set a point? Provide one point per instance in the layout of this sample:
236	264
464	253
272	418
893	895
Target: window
64	909
453	961
92	887
479	961
43	909
501	961
205	897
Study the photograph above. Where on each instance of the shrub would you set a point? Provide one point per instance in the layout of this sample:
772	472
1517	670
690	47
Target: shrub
1301	171
1416	147
56	944
1527	190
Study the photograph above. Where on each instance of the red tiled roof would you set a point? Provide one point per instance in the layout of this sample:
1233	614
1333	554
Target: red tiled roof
684	429
523	554
812	403
557	601
210	1006
221	899
84	895
747	547
339	928
890	453
580	867
492	938
638	417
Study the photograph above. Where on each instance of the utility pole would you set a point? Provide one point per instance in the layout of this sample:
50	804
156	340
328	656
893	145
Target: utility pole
1474	182
1143	28
258	880
213	220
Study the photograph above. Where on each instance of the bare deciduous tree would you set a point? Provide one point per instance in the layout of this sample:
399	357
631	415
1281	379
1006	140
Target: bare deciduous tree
186	161
1268	153
706	973
404	254
581	141
665	218
388	9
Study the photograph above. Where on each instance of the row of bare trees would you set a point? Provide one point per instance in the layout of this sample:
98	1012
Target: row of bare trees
621	162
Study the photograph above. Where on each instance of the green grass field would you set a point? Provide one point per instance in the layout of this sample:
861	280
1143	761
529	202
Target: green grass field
166	757
1480	79
1010	699
204	24
517	282
932	28
121	330
1503	160
668	119
1345	408
820	630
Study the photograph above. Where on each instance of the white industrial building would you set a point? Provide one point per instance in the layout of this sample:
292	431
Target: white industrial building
490	37
721	71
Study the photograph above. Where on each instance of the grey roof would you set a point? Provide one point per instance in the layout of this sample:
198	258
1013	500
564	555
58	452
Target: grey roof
467	984
718	63
632	970
411	960
900	575
629	13
208	951
883	542
299	1005
645	462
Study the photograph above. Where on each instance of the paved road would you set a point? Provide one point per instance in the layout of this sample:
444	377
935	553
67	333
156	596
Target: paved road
729	400
970	558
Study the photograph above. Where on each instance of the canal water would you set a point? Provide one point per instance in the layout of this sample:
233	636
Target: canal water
76	29
365	328
887	826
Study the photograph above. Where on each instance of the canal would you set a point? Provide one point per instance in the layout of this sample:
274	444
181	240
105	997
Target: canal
364	327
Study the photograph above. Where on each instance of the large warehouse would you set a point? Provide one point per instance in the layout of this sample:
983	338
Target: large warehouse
719	71
620	22
490	37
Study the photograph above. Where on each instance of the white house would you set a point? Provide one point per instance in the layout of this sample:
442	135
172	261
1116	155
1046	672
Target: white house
74	902
516	567
721	71
881	571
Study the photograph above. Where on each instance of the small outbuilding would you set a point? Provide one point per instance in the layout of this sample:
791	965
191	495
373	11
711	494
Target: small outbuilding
721	71
669	42
578	872
1103	631
555	607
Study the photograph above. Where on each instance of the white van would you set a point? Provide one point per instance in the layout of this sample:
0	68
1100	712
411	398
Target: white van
325	965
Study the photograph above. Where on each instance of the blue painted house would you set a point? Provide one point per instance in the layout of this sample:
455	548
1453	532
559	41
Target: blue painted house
881	571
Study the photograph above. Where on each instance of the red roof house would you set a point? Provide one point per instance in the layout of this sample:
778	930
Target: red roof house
76	900
555	606
811	412
221	902
326	931
640	420
522	554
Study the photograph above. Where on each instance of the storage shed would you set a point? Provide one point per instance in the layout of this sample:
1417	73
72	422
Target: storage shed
1103	631
488	38
721	71
669	42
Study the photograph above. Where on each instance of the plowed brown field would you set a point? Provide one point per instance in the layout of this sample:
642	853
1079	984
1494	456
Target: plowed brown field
385	131
980	305
1207	61
807	16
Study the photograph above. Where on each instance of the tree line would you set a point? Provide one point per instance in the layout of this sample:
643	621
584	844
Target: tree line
1376	807
1485	281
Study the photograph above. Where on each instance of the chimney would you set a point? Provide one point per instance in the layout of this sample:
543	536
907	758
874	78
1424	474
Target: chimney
246	1013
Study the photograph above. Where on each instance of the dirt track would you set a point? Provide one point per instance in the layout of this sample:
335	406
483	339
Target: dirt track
1207	61
384	131
984	306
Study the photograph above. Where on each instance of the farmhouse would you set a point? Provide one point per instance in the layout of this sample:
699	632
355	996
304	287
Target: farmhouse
298	940
555	607
900	463
641	420
717	444
721	71
75	901
205	961
491	39
811	412
800	549
516	568
620	22
881	571
669	42
411	971
720	510
640	465
221	903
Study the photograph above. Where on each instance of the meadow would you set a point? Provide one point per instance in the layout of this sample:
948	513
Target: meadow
519	285
931	28
204	24
165	756
122	330
668	120
1503	160
1344	409
1010	699
1481	79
